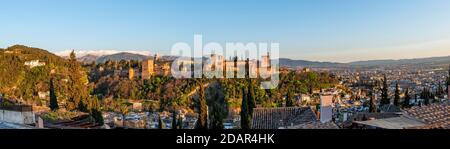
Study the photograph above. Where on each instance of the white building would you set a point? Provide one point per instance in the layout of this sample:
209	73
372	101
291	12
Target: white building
34	63
43	95
305	98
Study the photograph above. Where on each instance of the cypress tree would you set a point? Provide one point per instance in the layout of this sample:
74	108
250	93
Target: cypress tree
448	87
217	117
160	122
425	95
290	98
203	108
432	98
245	118
384	93
53	99
448	82
439	90
82	106
372	106
397	95
407	99
250	90
180	122
251	98
174	120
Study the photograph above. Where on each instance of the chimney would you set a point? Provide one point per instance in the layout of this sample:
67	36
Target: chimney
326	109
40	123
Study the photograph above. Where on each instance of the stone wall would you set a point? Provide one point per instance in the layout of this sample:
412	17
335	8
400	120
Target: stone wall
18	117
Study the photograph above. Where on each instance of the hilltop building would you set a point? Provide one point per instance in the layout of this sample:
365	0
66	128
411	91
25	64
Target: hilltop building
238	66
162	69
133	73
233	66
34	63
147	69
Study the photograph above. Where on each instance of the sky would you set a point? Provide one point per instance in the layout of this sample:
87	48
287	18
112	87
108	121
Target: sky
317	30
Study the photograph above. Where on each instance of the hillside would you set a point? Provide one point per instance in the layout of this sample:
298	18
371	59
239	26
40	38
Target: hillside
22	81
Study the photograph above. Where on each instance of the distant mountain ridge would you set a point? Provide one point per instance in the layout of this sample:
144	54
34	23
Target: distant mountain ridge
88	58
98	53
102	56
429	60
284	62
121	56
303	63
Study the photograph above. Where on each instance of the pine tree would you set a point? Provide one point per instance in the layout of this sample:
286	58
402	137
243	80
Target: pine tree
53	99
407	99
96	113
397	95
384	93
245	118
77	93
203	107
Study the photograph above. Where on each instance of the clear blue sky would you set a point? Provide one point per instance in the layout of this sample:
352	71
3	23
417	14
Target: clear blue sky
322	30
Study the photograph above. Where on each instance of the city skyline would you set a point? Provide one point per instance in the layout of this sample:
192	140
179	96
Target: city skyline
343	31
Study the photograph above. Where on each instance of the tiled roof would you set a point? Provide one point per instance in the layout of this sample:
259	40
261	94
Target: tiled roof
390	108
364	116
400	122
274	118
435	115
315	125
80	122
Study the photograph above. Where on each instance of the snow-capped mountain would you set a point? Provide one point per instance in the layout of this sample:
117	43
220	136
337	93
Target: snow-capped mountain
98	53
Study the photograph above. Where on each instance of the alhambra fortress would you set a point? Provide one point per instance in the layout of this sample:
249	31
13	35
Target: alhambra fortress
231	68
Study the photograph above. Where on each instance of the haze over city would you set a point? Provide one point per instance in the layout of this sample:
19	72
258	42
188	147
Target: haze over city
336	31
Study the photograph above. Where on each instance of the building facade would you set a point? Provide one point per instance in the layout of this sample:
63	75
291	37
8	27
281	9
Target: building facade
147	69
